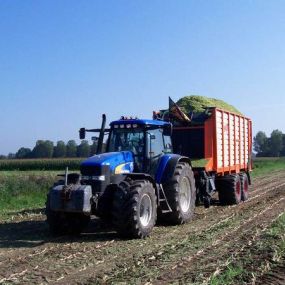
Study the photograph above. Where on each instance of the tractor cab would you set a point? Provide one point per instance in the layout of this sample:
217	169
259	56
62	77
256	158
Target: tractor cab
148	140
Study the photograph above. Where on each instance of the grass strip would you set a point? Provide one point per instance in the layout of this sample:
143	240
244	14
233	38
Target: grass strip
262	166
20	192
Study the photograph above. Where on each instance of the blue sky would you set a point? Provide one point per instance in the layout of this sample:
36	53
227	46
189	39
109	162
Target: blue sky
64	63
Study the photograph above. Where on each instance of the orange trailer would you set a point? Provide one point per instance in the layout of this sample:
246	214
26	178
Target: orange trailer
219	143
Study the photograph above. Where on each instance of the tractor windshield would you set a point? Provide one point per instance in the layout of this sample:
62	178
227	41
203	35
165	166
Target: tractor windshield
131	139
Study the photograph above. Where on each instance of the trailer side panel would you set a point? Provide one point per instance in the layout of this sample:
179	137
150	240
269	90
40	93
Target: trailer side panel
223	141
232	141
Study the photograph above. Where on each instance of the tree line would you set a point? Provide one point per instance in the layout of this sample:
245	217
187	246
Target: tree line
47	149
273	146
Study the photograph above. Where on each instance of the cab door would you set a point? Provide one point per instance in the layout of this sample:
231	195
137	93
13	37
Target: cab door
155	149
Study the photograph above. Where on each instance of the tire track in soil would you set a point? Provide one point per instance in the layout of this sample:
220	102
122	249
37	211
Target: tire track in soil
203	256
131	261
26	230
261	180
275	276
205	263
47	250
32	229
250	246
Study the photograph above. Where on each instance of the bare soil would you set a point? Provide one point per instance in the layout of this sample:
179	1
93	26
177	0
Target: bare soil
190	253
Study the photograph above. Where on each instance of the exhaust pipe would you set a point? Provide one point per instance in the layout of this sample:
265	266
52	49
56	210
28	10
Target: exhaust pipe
101	136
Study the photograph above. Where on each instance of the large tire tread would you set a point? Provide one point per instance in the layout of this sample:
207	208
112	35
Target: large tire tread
171	189
125	210
227	188
244	186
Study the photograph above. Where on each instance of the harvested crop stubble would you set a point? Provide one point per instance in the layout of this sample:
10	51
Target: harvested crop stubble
196	104
29	255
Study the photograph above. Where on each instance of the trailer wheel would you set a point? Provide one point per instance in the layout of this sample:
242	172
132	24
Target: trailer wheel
61	223
134	209
229	189
207	202
244	186
181	194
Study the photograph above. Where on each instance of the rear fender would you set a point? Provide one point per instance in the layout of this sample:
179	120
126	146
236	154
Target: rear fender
167	165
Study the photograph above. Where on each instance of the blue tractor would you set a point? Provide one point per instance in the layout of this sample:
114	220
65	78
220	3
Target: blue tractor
136	180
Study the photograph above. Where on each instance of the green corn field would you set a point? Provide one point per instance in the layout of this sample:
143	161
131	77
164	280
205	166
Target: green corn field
40	164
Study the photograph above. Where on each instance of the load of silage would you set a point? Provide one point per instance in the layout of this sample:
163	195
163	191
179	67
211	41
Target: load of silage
198	104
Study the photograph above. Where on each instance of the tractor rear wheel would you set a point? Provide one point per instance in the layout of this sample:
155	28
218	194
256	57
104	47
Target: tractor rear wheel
244	186
229	188
61	223
134	209
180	192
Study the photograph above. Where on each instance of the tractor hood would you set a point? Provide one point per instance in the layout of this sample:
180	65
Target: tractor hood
118	162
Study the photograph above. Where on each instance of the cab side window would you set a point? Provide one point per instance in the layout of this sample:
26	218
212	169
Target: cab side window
167	144
157	144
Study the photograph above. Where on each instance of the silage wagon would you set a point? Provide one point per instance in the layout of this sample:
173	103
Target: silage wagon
219	144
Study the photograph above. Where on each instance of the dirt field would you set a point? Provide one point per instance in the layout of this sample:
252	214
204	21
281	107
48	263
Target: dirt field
192	253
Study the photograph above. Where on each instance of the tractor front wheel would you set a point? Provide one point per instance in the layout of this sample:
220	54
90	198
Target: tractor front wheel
134	209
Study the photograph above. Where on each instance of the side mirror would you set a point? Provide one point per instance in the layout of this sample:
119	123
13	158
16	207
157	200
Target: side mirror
82	133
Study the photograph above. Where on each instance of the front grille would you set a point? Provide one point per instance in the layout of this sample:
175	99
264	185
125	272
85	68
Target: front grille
94	170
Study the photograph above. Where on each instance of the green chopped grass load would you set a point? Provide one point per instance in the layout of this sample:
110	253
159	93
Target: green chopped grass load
198	104
196	163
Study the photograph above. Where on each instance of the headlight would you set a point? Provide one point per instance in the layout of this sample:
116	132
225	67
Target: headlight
97	178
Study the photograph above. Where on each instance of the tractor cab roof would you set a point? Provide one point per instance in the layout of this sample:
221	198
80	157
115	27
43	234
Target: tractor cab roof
140	122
